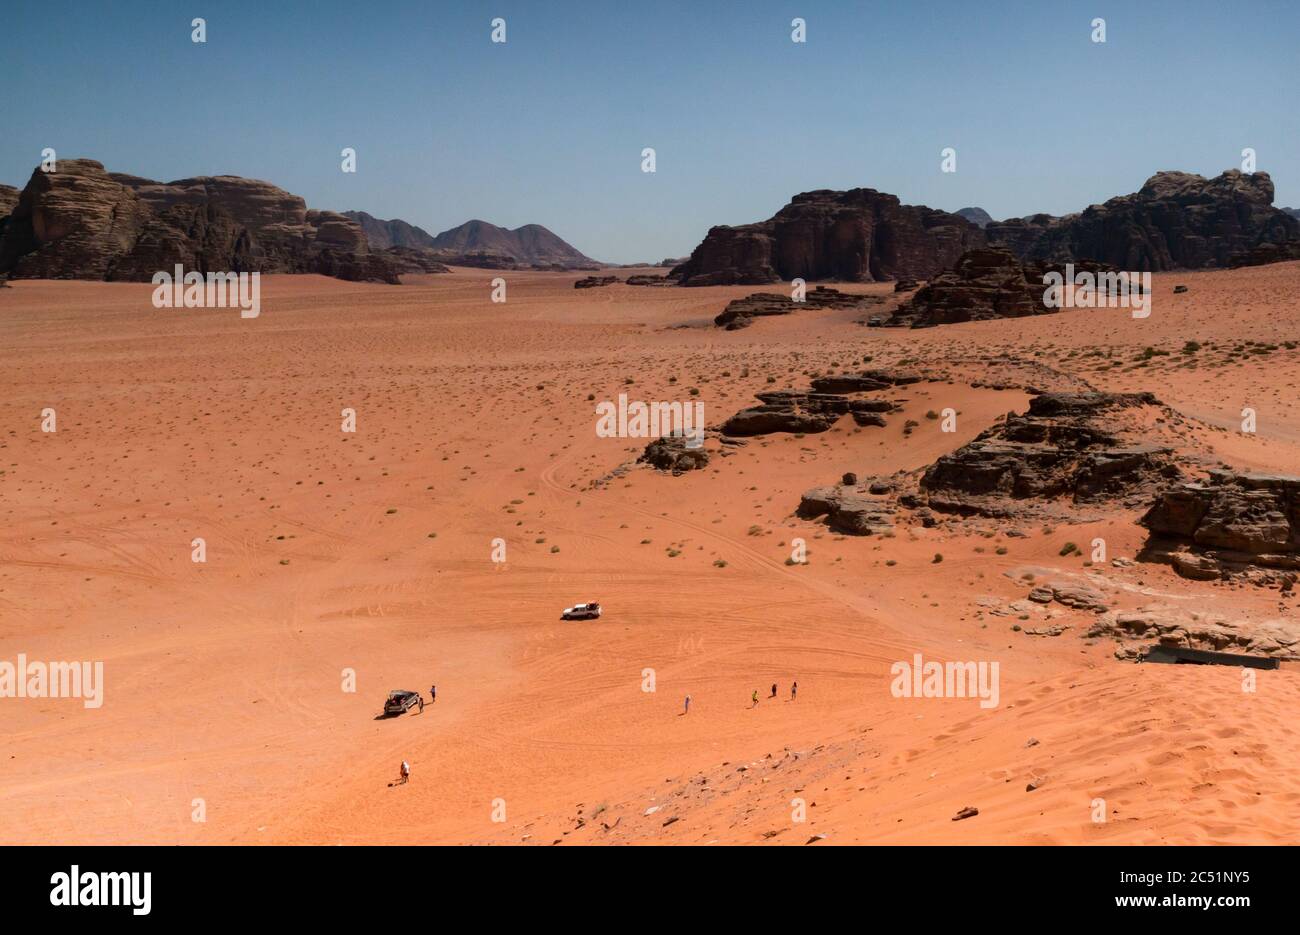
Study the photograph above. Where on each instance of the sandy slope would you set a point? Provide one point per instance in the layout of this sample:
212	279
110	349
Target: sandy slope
372	552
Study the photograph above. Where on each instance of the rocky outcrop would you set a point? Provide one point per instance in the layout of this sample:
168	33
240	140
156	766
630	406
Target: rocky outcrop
1266	253
1068	450
8	201
740	313
643	280
860	235
591	282
848	509
818	410
1177	220
1023	235
864	381
1074	596
987	282
415	260
1139	630
793	411
674	454
1233	525
71	224
81	222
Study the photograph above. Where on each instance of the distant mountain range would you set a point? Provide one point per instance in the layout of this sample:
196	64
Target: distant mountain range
977	216
83	222
477	243
396	233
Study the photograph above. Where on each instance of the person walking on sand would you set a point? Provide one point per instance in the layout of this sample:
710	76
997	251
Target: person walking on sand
773	695
753	701
433	693
688	705
794	690
421	697
405	772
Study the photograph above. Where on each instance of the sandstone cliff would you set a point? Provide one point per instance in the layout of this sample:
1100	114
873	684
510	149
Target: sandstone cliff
1177	220
81	222
860	235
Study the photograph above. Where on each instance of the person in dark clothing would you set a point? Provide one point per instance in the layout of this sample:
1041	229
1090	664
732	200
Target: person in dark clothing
773	695
794	689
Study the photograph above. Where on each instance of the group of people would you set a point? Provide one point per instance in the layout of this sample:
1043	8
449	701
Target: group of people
753	699
794	690
404	771
404	774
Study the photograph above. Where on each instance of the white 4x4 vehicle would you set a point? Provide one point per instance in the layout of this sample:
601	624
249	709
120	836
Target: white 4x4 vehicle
581	612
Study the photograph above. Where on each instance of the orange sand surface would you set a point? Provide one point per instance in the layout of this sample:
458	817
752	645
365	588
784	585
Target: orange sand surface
371	553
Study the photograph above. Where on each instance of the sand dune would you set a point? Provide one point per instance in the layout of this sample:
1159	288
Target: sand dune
371	552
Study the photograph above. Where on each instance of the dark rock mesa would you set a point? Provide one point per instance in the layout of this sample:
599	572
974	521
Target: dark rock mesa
860	235
81	222
1177	220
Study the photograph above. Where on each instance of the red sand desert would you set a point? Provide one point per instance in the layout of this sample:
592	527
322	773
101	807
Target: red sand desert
371	552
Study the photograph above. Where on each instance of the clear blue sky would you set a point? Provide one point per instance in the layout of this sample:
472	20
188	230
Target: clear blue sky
548	128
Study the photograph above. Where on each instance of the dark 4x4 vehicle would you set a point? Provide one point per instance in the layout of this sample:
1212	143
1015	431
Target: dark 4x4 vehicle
399	702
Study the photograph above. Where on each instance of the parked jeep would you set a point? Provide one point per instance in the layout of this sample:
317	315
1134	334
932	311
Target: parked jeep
589	611
399	702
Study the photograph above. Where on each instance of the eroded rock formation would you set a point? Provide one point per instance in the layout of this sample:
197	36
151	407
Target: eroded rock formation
860	235
591	282
740	313
848	509
414	260
674	454
987	282
794	411
1138	630
8	200
1232	525
1177	220
991	282
1069	449
81	222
